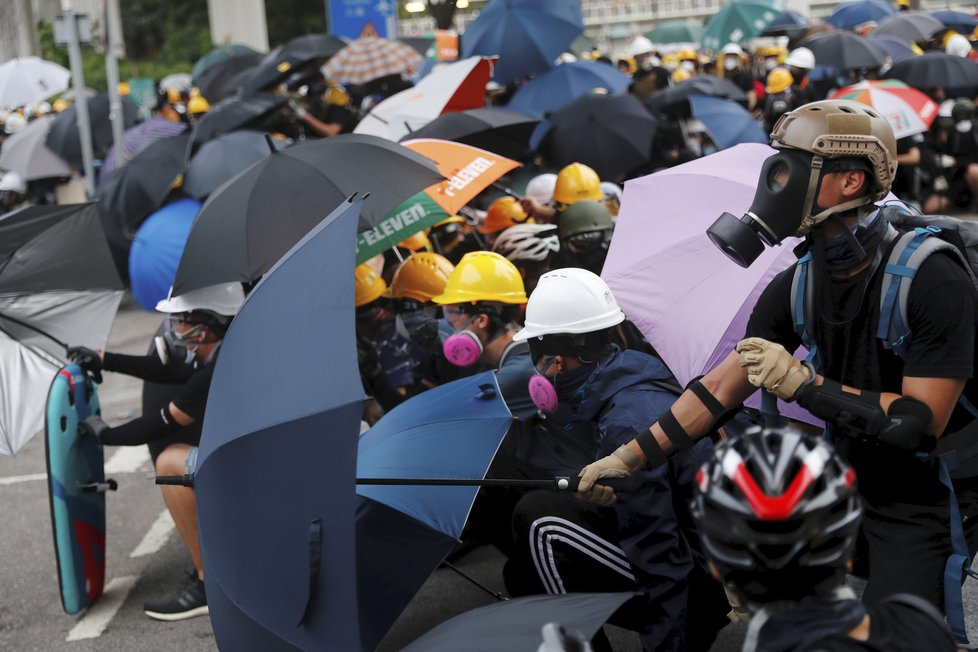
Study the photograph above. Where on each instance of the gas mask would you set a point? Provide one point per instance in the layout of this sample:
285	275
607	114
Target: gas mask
546	392
173	345
463	348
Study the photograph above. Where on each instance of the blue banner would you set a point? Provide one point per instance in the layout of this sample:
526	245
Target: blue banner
356	18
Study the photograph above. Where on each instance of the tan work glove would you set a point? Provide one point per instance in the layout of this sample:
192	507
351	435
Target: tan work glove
771	367
620	464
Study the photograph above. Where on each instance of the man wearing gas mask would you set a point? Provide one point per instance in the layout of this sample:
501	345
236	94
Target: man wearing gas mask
883	411
196	323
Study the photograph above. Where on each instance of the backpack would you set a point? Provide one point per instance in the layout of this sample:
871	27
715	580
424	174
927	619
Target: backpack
956	454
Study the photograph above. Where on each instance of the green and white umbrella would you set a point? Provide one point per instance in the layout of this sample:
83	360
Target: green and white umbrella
738	22
407	218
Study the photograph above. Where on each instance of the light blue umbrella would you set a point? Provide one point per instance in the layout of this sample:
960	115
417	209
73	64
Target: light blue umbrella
564	84
727	122
851	14
156	251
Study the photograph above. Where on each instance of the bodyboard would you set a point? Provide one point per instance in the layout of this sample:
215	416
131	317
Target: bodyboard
76	484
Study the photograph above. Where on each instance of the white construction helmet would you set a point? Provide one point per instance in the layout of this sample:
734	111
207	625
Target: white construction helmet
531	243
14	123
570	301
13	182
223	300
732	48
958	46
639	46
541	187
801	58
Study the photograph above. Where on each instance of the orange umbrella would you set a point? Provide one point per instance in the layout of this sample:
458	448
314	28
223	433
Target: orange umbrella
470	170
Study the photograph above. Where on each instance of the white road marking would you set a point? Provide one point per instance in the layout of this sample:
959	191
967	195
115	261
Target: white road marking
95	620
17	479
156	537
128	459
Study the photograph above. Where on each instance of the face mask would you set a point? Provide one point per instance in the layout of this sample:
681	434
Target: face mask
463	348
963	127
855	243
770	64
543	393
730	64
546	393
688	66
776	213
419	328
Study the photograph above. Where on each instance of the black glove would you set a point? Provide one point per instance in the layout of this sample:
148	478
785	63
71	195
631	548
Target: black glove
92	428
88	359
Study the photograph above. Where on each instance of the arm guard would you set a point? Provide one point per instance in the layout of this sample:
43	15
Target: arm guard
678	437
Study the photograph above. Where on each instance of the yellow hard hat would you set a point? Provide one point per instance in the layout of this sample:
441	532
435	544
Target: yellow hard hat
198	104
415	242
173	96
454	219
903	3
368	285
124	88
772	51
422	276
779	80
483	276
947	37
60	105
687	54
336	95
680	75
503	213
576	182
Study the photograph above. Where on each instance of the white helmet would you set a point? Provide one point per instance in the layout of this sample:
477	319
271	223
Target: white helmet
958	46
639	46
565	57
223	299
541	188
570	301
732	48
527	242
14	123
13	182
801	58
43	108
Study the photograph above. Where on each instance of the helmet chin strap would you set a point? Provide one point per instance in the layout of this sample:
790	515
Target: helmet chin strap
814	186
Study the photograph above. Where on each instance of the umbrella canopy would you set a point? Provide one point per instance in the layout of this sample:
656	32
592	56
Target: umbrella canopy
156	251
27	153
26	80
957	20
727	122
674	100
220	55
852	14
251	221
469	170
676	31
223	79
136	139
738	22
788	23
688	298
371	57
422	44
58	286
517	624
224	157
896	48
564	84
63	138
933	69
610	133
275	476
283	61
456	87
403	532
128	195
908	110
915	26
497	130
236	112
404	220
527	35
846	51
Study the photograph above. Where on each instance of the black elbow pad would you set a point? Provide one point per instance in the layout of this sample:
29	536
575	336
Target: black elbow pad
906	425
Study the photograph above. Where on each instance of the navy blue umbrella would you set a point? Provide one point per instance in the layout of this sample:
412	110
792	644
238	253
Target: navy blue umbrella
727	122
957	20
789	23
403	532
156	251
896	48
528	35
564	84
275	479
852	14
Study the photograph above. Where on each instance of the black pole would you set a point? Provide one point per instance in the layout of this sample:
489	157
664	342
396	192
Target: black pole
559	483
498	596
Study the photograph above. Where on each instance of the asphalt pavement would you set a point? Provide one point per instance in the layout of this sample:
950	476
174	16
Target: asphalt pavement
146	559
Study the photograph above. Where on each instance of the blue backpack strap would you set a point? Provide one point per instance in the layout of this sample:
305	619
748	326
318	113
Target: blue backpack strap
801	306
958	566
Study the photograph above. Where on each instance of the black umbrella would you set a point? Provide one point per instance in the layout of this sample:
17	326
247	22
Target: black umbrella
672	99
504	132
420	43
846	51
236	112
221	80
224	157
63	138
610	133
916	26
933	69
128	195
251	221
309	51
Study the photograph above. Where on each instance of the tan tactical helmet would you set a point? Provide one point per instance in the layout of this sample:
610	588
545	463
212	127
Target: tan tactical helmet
833	129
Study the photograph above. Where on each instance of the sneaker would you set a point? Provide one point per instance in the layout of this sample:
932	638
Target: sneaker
188	601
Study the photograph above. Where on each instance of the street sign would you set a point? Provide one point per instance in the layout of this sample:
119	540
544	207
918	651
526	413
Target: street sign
356	18
61	26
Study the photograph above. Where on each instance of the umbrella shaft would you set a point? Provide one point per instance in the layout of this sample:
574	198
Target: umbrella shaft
460	482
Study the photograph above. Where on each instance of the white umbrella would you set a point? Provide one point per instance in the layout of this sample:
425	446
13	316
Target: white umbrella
26	80
456	87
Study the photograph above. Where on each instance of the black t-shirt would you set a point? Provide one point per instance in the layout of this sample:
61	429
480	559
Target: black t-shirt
894	627
742	80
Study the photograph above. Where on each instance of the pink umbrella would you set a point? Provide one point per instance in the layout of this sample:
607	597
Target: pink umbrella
684	294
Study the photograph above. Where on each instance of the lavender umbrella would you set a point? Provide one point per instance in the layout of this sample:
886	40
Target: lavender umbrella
136	139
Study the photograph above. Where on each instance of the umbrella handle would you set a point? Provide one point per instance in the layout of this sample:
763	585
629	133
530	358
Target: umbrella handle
177	480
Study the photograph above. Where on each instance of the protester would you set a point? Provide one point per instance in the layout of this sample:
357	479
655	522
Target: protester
574	182
531	247
585	230
13	192
502	214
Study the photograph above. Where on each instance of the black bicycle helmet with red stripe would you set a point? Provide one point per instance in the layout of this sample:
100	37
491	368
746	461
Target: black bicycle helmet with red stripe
775	502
